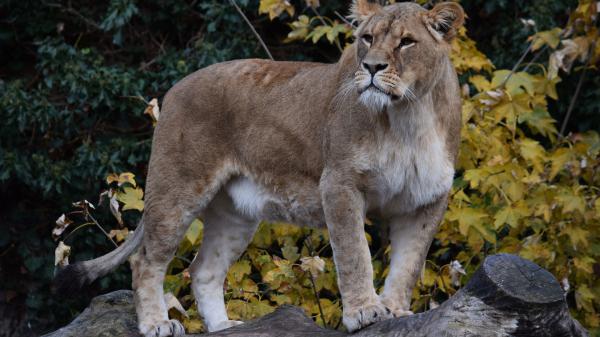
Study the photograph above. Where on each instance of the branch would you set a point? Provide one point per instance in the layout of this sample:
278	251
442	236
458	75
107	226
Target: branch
74	12
239	10
563	127
527	50
341	17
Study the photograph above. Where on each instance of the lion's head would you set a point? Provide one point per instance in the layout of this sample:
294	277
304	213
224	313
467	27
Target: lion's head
402	49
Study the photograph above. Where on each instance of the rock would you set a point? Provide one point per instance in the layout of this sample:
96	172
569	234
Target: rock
108	315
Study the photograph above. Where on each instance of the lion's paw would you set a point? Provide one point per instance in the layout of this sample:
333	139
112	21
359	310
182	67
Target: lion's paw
168	328
401	313
355	319
397	310
225	325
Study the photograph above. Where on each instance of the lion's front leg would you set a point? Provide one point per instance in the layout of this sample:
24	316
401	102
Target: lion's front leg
410	238
344	213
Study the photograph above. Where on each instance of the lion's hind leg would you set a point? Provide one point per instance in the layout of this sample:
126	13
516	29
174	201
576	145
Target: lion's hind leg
226	235
164	230
169	210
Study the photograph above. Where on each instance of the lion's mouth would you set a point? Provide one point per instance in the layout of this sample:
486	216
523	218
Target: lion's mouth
375	88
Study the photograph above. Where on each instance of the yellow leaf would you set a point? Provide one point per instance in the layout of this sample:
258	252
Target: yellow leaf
510	108
466	217
516	82
511	214
570	201
428	277
585	264
474	177
132	198
275	8
318	32
239	270
550	38
480	82
126	177
194	232
113	177
584	297
558	160
300	29
119	234
577	235
260	308
533	152
193	326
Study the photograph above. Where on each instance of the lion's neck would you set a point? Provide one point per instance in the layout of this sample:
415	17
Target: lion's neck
411	120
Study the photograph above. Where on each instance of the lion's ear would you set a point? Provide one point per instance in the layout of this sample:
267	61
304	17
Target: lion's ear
362	9
444	20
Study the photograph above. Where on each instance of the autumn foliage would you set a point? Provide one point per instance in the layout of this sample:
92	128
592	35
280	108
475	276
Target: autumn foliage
521	187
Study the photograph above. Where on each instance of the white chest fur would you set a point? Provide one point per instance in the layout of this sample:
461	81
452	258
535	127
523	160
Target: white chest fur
411	167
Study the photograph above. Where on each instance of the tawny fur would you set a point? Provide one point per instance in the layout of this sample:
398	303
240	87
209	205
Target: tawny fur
310	144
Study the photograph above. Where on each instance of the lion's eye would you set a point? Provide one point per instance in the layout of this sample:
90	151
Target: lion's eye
406	42
367	38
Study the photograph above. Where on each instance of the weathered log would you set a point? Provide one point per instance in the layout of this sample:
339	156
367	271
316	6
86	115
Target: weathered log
507	296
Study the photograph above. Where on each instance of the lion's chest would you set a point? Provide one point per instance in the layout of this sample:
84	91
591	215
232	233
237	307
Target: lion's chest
405	175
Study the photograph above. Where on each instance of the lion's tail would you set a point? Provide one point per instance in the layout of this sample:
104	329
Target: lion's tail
73	277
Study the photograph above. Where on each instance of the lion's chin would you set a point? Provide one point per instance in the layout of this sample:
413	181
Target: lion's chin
375	99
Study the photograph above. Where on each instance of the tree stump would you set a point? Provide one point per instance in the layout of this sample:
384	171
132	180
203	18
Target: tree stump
507	296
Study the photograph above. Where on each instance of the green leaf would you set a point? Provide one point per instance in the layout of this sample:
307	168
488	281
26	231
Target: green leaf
539	121
290	252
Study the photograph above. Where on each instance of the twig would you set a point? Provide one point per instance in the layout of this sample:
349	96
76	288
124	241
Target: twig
74	12
308	244
535	57
563	127
314	287
183	259
318	15
239	10
77	228
341	17
517	65
89	216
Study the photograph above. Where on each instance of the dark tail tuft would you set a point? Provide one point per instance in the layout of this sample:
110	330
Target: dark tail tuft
70	279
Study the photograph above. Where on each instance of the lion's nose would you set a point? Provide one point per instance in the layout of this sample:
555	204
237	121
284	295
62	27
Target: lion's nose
374	68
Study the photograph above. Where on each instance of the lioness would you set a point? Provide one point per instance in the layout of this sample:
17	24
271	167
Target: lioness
306	143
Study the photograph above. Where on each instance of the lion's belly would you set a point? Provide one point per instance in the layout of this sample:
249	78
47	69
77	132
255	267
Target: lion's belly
300	204
406	176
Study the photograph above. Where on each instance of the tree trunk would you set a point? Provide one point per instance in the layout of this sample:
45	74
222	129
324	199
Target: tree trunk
507	296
